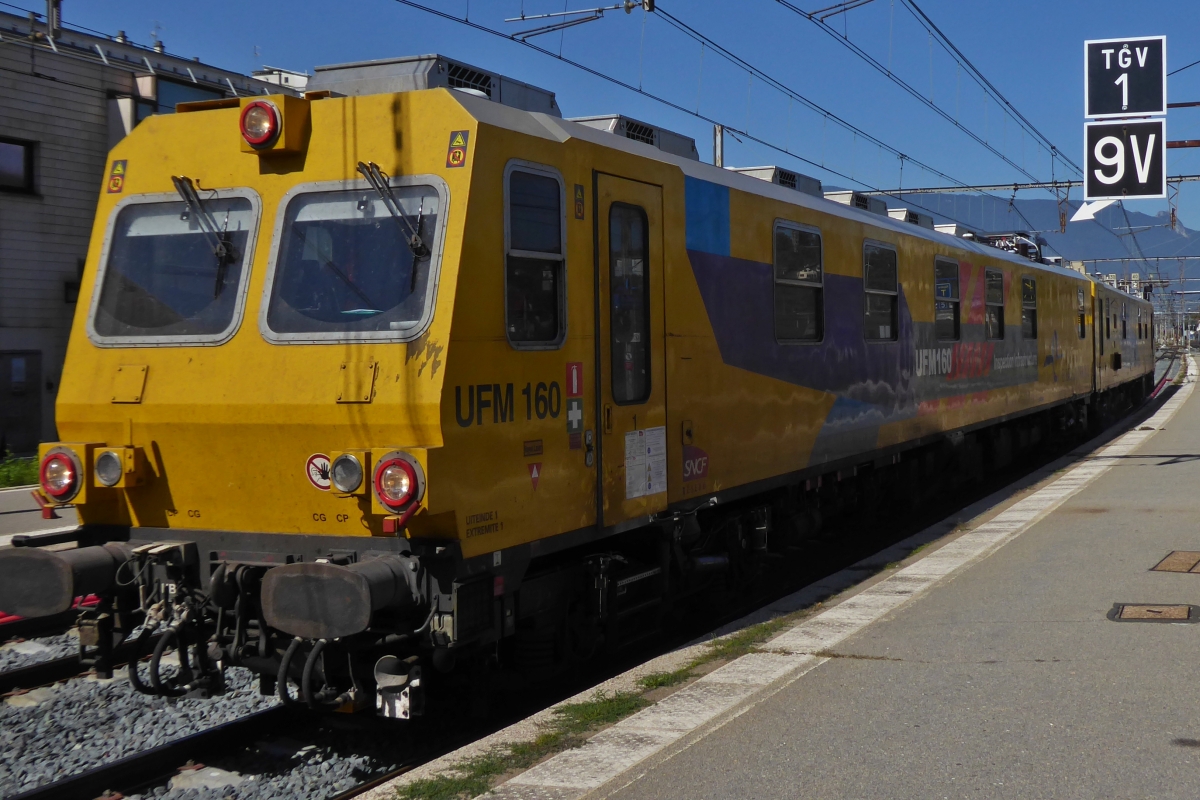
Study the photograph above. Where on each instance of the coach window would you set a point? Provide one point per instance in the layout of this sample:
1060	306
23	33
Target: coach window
946	300
629	289
1107	305
1124	321
881	288
1082	316
994	306
799	277
534	283
1028	308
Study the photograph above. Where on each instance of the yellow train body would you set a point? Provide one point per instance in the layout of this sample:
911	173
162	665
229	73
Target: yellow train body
227	429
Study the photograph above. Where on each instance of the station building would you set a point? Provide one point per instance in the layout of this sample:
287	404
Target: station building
66	97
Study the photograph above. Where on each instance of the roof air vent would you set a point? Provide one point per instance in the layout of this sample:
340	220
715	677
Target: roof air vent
664	140
859	200
915	217
639	132
783	177
463	77
414	73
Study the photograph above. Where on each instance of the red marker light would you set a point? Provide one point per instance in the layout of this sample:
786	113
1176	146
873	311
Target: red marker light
260	123
59	476
395	483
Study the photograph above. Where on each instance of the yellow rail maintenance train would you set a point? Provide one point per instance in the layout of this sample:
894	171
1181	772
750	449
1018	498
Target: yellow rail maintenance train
410	370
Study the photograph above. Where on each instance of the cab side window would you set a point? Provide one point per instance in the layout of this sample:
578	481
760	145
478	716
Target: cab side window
881	288
534	276
799	280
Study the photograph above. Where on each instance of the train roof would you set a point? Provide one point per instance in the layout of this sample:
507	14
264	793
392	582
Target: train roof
558	129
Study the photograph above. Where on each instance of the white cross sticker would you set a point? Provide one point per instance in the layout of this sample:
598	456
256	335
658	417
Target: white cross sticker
574	415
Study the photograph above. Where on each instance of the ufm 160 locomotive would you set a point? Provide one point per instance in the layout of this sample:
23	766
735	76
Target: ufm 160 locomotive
409	369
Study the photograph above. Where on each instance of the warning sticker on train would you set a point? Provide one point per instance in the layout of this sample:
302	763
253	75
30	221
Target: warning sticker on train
535	473
575	379
116	177
317	471
456	156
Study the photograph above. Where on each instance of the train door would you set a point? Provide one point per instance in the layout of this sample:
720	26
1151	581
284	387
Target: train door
631	375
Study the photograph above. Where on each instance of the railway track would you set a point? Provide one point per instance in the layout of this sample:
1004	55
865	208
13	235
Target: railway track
127	775
54	670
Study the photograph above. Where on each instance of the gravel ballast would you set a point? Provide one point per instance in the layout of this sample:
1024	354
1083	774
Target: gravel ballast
65	729
14	655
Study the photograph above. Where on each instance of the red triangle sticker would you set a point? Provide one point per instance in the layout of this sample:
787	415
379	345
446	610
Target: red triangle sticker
535	472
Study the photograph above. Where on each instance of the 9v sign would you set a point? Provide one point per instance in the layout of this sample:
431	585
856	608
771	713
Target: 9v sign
1125	160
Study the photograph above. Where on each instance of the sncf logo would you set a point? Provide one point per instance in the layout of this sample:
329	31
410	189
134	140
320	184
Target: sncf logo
695	463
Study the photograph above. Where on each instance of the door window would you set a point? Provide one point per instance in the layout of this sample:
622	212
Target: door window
1028	308
946	300
629	298
994	307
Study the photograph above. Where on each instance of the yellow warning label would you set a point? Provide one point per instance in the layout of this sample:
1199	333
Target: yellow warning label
456	155
116	177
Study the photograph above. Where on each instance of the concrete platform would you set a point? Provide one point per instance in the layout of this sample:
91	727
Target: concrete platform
988	668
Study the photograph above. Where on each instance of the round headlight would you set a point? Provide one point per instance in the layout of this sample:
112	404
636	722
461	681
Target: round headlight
395	482
59	475
109	468
346	474
260	123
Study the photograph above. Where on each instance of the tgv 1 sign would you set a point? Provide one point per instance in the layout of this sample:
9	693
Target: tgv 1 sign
1125	77
1125	155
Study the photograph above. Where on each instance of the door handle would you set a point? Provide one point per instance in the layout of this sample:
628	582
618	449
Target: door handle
589	454
607	418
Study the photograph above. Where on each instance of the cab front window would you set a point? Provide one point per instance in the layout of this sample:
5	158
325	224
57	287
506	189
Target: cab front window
346	268
165	279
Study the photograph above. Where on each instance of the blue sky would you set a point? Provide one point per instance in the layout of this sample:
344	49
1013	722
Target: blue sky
1031	51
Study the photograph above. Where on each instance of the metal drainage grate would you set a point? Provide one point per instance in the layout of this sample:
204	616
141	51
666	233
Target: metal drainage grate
1179	561
1150	612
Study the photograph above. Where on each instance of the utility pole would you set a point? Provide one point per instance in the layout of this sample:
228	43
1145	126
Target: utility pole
719	146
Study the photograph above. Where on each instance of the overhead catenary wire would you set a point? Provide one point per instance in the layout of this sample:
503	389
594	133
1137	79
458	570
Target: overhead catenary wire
986	84
676	106
909	88
711	120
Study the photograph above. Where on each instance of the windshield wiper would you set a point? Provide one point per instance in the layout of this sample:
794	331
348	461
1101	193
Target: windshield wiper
379	182
218	237
334	268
